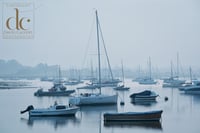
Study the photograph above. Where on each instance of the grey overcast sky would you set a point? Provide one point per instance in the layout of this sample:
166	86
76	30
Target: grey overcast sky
133	30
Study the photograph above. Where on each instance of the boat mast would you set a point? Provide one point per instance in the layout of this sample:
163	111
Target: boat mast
190	69
171	70
92	72
177	65
99	59
59	75
149	67
122	72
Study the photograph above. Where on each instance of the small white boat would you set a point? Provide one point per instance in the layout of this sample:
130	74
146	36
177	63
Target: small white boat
195	89
56	90
121	88
147	82
189	85
55	110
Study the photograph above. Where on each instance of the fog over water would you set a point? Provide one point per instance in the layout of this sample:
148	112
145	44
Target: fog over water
133	30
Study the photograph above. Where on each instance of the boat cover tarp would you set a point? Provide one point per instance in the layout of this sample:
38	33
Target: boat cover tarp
143	93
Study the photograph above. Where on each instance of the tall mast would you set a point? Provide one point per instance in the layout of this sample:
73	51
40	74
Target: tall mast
149	67
177	65
99	59
171	70
190	69
122	72
59	75
92	72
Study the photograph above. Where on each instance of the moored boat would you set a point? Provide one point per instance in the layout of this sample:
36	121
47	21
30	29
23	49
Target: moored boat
99	98
55	110
147	82
40	92
144	96
58	89
143	124
121	88
93	99
134	116
195	89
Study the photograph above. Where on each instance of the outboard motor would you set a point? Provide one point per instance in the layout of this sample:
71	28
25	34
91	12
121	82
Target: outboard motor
30	107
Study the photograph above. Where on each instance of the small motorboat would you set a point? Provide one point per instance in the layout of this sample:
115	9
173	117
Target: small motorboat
55	110
194	89
144	96
133	116
56	90
121	88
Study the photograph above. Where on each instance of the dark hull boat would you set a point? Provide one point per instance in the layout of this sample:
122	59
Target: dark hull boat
40	92
57	90
133	116
145	96
145	124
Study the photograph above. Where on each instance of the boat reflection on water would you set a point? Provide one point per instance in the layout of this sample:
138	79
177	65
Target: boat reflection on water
142	124
97	110
56	121
194	100
144	103
101	108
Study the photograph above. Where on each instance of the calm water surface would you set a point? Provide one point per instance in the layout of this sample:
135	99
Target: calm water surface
181	113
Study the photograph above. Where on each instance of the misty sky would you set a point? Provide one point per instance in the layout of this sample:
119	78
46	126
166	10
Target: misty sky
133	30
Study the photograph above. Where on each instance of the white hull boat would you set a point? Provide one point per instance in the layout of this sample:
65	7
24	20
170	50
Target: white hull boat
121	88
192	89
56	110
96	99
93	99
147	82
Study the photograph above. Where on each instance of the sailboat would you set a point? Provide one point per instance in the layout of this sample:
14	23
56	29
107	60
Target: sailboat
58	89
193	87
174	81
122	87
148	81
55	110
94	98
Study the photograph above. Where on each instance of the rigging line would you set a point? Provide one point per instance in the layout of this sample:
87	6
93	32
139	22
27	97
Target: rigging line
171	69
106	51
88	42
182	71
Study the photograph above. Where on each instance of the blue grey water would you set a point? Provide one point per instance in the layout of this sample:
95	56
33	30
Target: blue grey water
181	113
